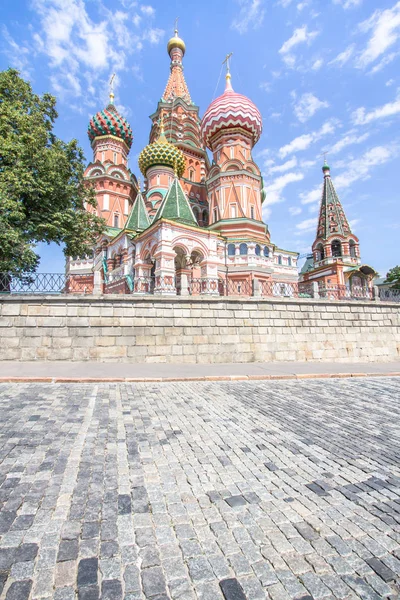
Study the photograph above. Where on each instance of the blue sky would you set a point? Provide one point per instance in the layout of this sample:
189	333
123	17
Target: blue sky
324	74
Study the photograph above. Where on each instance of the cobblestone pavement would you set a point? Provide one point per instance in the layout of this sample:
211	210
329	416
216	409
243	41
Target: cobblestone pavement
235	490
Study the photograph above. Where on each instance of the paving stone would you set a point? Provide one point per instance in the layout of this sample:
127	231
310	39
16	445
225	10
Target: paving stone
166	489
87	571
19	590
232	590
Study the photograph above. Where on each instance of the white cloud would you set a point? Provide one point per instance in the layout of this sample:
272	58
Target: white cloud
265	86
300	35
389	82
317	64
385	30
294	210
17	54
347	140
148	10
348	3
251	15
386	60
343	57
304	141
289	164
361	117
359	168
83	51
154	36
307	106
306	226
275	188
311	196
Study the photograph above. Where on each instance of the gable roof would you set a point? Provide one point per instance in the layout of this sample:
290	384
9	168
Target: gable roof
176	206
138	219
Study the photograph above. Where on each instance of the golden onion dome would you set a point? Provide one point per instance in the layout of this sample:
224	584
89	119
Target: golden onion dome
176	42
161	152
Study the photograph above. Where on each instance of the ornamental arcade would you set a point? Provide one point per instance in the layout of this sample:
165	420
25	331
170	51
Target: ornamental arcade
196	226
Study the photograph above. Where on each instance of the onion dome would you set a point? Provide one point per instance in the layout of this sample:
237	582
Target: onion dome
161	152
176	42
110	122
325	168
229	111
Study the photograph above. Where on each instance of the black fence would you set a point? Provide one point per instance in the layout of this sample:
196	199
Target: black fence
79	283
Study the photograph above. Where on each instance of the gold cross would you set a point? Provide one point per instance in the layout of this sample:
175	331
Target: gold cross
112	87
176	25
324	155
227	59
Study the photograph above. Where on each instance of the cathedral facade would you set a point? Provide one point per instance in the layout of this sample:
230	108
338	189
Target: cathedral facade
196	225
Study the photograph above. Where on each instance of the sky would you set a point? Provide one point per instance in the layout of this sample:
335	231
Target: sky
324	75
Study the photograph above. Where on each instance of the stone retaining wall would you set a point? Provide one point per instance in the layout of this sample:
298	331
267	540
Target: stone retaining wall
194	330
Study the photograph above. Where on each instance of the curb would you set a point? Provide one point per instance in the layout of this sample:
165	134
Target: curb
13	379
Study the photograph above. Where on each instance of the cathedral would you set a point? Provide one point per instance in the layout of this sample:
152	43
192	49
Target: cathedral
195	224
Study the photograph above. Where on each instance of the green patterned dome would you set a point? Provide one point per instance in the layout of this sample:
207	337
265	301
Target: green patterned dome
162	152
110	122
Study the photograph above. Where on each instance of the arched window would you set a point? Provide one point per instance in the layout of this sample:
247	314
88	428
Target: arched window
115	157
191	174
289	261
243	249
352	246
257	250
320	252
266	251
116	220
205	217
215	215
231	249
252	212
336	248
279	259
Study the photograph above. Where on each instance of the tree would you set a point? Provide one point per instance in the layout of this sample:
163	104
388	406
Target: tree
393	276
42	190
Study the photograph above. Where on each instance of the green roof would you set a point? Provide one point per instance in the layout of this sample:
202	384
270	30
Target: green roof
112	231
176	206
332	219
138	219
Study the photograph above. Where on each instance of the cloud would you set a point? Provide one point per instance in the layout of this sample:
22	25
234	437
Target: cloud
300	35
389	82
306	226
360	167
348	3
304	141
317	64
311	196
385	30
294	210
275	188
386	60
361	117
343	57
251	15
17	54
307	106
265	86
347	140
289	164
83	50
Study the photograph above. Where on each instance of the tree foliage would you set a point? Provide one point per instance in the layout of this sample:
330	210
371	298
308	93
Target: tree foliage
393	276
42	190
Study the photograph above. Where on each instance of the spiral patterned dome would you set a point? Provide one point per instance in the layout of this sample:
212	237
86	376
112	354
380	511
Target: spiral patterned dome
161	152
229	111
110	122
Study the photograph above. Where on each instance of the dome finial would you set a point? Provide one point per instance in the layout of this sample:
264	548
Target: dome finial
161	136
325	168
112	88
176	41
228	85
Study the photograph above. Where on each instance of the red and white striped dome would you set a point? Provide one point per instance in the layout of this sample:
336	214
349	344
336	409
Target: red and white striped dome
229	111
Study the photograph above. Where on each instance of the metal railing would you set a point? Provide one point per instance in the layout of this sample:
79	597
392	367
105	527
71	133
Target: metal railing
47	283
118	282
389	295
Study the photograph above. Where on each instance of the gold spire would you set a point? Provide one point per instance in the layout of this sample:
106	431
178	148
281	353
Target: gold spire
112	88
176	41
228	71
161	136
